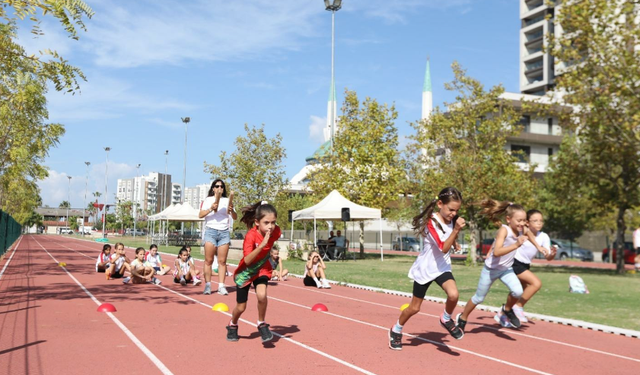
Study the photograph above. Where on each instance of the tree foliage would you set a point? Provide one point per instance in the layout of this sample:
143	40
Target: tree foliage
364	165
600	77
465	148
255	169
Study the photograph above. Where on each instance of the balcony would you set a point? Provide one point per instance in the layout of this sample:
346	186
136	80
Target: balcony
531	21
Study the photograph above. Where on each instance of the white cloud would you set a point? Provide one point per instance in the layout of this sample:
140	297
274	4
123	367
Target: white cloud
55	188
395	11
316	128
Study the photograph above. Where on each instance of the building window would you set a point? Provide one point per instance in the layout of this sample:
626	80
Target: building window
525	122
550	127
521	152
550	152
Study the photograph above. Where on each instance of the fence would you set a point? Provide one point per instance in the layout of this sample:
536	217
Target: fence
9	231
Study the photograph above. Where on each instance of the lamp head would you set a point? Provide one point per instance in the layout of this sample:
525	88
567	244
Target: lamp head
186	120
87	163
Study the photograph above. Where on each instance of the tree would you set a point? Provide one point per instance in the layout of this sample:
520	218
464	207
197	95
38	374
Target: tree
64	204
255	170
25	138
364	165
600	75
73	222
465	148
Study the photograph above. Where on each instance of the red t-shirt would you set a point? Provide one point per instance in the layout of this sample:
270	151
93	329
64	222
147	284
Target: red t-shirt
261	266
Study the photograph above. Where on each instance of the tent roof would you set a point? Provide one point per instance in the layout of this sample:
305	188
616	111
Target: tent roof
330	208
183	212
163	214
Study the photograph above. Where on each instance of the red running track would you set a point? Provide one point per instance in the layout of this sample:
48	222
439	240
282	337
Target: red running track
50	326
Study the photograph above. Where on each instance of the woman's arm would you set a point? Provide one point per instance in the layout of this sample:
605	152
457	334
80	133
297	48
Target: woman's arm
499	250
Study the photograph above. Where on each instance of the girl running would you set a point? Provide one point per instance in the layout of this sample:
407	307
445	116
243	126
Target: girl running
315	272
255	267
216	210
155	261
439	230
522	261
183	272
141	271
498	264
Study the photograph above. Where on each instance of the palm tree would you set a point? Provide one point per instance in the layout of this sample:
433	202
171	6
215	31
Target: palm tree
64	204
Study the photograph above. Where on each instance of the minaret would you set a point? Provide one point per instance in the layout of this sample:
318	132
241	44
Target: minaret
331	112
427	95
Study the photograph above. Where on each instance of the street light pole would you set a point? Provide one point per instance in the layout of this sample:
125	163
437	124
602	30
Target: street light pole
186	121
84	208
133	200
68	200
164	184
106	180
333	7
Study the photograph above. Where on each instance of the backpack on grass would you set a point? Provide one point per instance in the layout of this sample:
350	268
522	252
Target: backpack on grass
577	285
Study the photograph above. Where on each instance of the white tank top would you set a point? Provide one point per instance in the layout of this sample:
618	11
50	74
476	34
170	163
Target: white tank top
505	261
527	251
432	262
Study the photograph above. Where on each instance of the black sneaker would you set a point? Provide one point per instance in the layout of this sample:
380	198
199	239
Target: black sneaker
395	340
513	319
265	333
460	323
450	326
232	333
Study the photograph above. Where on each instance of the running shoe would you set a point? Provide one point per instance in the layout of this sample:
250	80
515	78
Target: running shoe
183	281
126	280
520	314
450	326
232	333
460	323
513	319
157	281
325	284
222	290
207	289
502	320
265	333
196	282
395	340
318	283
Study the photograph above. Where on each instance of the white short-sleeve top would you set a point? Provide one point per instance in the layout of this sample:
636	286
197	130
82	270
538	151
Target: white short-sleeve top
432	262
219	219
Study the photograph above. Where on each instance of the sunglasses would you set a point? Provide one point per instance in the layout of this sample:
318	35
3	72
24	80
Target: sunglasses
218	186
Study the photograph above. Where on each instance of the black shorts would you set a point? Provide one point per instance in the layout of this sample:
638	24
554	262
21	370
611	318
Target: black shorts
116	275
419	290
309	281
242	294
519	267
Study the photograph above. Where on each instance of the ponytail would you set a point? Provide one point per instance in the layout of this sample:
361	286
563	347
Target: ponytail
446	195
494	210
256	211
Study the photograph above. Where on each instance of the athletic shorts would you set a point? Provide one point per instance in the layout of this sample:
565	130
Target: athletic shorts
309	281
116	275
157	269
519	267
242	294
420	290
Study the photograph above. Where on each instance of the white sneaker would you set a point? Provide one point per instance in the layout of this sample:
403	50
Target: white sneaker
229	273
284	278
325	284
126	280
157	281
222	290
318	283
502	320
520	314
196	282
183	281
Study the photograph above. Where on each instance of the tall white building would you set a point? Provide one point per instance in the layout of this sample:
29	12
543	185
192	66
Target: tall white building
148	192
537	73
196	195
176	193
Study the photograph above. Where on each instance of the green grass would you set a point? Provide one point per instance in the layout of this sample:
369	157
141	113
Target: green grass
613	299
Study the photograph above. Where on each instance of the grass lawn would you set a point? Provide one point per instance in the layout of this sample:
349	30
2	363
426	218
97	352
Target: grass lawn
614	299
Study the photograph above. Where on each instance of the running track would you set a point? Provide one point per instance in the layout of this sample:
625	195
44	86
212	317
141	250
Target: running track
49	325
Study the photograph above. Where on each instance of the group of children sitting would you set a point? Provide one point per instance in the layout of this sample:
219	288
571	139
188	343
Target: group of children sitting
148	264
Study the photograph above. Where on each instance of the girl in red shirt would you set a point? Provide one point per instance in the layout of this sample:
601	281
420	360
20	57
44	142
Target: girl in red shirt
255	267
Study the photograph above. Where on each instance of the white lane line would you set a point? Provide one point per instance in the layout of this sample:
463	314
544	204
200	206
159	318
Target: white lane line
11	257
511	332
326	355
124	329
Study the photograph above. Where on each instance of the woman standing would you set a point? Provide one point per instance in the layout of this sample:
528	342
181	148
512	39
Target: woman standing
216	210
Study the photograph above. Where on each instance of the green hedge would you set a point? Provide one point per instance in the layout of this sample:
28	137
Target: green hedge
9	231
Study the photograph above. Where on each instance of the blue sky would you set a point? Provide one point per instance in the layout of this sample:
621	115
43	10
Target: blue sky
227	63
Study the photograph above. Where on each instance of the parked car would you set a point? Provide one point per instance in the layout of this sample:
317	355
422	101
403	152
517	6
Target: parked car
568	249
629	253
130	232
65	230
484	247
238	236
408	244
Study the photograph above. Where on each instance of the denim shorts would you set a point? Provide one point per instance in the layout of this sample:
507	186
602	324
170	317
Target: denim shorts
216	237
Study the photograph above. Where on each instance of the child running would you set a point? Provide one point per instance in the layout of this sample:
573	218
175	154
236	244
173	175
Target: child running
255	267
155	261
183	272
315	272
276	263
439	230
119	264
522	262
498	264
103	263
141	271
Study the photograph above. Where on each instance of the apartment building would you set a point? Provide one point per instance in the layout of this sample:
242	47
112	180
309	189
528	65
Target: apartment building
149	192
537	72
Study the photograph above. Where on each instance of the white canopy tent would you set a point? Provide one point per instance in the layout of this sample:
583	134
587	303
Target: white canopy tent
330	208
176	212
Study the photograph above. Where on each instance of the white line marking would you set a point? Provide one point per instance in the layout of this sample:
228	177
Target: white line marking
124	329
11	257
